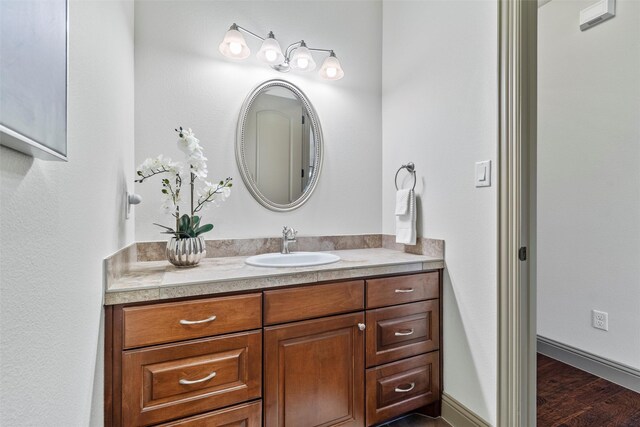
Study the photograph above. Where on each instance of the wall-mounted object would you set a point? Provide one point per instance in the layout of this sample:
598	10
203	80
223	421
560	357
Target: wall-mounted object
33	77
279	145
296	56
597	13
411	168
483	174
131	199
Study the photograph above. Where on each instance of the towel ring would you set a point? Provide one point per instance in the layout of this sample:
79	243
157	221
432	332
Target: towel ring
411	168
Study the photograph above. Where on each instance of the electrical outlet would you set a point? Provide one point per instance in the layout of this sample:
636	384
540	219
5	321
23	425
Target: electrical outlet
600	320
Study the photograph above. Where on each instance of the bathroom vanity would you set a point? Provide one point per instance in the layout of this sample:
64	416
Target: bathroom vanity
355	343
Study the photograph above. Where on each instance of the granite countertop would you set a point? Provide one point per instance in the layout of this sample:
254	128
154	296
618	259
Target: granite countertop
159	280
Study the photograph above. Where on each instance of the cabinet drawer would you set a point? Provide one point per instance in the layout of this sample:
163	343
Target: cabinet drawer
306	302
177	321
178	380
402	289
397	332
402	386
248	415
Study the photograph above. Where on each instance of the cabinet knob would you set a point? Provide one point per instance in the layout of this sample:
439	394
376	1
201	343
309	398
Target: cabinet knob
362	326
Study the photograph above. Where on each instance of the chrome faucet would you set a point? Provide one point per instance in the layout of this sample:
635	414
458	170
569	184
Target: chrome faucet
288	236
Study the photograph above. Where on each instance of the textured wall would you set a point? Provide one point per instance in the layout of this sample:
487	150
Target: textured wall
182	79
589	179
439	110
59	220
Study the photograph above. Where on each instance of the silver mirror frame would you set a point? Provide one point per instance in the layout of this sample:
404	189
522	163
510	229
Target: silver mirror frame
240	156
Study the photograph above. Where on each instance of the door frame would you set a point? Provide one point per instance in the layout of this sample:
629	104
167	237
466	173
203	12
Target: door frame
517	52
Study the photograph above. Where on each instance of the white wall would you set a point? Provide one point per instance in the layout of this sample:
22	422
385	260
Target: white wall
440	111
182	80
59	220
589	179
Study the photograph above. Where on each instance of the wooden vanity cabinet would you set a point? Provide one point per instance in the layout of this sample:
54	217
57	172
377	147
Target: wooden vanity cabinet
352	353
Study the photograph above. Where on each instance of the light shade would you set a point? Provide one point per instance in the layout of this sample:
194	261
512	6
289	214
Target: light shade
270	51
331	69
302	59
233	45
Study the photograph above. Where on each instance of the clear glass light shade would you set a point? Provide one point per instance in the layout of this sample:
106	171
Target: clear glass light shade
233	45
302	59
331	69
270	52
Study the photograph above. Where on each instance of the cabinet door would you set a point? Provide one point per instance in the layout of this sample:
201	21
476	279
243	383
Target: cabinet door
314	373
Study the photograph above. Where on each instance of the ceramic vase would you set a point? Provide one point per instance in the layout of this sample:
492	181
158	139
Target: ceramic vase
186	252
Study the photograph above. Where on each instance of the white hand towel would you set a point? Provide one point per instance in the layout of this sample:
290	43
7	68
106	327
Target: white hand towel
406	224
402	202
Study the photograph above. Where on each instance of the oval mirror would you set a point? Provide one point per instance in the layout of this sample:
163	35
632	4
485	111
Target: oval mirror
279	145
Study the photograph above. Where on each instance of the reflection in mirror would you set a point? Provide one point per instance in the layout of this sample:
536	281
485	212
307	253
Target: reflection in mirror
279	145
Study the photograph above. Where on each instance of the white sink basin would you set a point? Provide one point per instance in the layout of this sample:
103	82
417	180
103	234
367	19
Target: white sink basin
294	259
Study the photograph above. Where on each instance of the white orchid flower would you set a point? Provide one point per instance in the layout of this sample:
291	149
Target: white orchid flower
194	166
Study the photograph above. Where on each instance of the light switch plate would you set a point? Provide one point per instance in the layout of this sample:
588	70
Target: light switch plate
483	174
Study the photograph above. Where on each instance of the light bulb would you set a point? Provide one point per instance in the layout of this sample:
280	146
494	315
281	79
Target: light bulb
303	63
235	48
331	69
233	45
270	55
270	51
302	59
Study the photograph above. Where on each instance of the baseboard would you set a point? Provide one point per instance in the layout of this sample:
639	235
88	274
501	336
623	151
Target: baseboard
458	415
617	373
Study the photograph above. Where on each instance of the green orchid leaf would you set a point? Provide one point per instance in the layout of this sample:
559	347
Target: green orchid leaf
165	227
204	229
184	223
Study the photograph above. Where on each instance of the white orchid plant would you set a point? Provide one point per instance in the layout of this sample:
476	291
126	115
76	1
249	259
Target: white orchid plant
193	169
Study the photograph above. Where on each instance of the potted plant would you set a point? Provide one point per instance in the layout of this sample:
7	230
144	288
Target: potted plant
186	246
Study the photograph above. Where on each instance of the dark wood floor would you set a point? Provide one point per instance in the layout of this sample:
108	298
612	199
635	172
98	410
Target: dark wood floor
569	397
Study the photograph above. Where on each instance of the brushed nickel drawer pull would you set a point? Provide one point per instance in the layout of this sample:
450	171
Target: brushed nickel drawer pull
195	322
404	334
406	390
404	291
201	380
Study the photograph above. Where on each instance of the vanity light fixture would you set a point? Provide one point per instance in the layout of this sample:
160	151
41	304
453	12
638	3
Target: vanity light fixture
296	56
233	46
